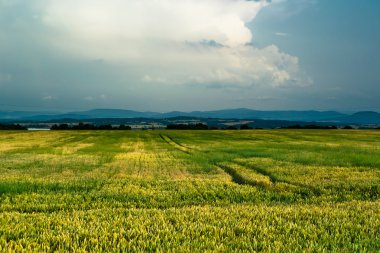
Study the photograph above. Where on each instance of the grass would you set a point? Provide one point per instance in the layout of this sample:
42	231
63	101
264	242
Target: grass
257	190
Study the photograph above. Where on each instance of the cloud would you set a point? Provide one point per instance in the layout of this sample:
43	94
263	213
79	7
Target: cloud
49	98
171	42
281	34
119	22
243	67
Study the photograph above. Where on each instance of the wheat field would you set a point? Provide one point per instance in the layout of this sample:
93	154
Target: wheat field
189	191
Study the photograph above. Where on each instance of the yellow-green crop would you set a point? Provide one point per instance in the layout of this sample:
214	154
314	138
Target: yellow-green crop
189	191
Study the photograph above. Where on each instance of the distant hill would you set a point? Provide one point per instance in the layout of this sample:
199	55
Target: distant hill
91	114
361	118
241	113
108	113
244	113
117	113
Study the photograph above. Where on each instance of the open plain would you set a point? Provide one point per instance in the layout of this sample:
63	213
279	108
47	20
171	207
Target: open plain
182	191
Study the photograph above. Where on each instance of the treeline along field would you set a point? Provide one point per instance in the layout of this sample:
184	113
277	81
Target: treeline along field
253	190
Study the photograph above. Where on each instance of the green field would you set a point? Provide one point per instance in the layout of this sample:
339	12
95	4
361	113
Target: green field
180	191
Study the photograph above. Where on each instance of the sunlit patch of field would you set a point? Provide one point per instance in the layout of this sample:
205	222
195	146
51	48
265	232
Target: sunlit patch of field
147	159
25	140
72	149
313	175
257	190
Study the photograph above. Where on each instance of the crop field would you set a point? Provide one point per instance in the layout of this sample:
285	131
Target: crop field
190	191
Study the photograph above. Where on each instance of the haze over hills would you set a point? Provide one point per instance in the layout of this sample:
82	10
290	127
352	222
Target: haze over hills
242	113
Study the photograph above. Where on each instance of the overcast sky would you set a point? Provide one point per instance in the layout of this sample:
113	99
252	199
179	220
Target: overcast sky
165	55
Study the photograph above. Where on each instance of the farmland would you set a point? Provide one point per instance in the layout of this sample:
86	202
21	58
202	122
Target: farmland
254	190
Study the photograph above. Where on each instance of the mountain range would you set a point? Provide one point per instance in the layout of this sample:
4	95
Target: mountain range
365	117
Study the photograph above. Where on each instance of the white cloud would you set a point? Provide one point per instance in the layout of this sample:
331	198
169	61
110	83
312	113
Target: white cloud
165	40
49	98
100	97
120	21
281	34
243	66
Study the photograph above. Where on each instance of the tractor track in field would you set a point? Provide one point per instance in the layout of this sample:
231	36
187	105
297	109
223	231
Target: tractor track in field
240	179
175	144
235	175
275	180
272	178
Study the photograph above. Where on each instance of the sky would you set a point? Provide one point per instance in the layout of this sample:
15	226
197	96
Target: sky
166	55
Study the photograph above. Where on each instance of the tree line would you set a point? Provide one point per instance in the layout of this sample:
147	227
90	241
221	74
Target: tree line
200	126
312	127
84	126
12	127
